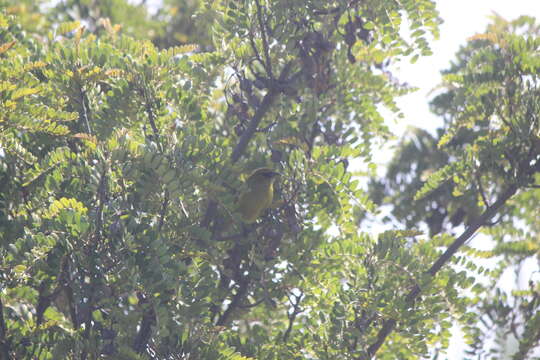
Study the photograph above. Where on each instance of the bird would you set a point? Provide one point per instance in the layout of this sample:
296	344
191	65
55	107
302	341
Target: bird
258	196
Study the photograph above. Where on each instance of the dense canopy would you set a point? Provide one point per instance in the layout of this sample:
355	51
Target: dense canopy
128	130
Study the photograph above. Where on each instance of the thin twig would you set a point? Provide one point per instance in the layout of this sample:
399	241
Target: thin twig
163	211
481	190
252	305
292	316
85	110
101	195
150	113
255	50
262	26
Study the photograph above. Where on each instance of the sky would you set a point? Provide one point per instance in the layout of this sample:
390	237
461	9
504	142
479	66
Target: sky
462	19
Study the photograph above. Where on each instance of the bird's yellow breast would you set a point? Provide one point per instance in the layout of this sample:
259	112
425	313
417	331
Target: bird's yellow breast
253	202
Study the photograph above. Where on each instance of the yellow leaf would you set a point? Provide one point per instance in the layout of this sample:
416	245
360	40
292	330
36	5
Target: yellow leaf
86	137
34	65
79	35
24	92
67	27
3	22
5	47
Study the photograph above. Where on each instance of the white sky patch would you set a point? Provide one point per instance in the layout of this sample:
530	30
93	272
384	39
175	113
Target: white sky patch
462	19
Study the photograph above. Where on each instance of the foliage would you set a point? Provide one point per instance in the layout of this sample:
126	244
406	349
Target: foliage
121	158
489	148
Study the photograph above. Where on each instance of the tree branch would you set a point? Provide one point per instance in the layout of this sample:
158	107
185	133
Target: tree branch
292	316
148	107
253	124
101	197
235	303
145	330
267	101
85	105
389	325
268	63
481	190
4	342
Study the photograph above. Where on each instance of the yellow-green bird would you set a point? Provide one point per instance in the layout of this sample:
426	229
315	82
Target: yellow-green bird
259	195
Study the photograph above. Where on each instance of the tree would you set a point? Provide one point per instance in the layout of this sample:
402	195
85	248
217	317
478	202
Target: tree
488	150
120	164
